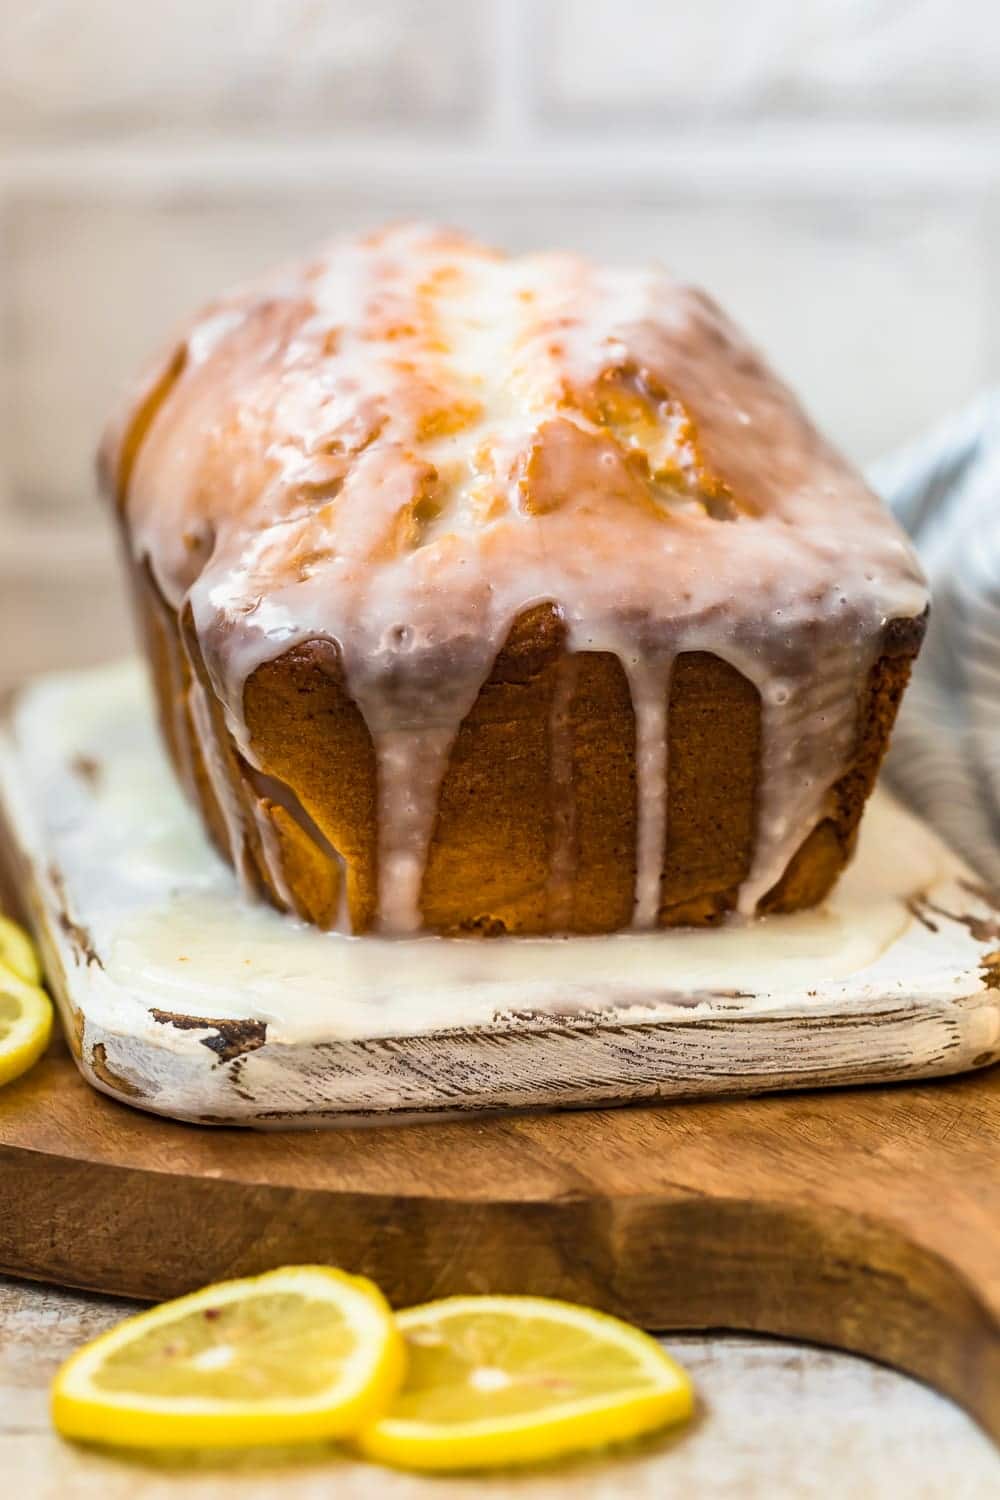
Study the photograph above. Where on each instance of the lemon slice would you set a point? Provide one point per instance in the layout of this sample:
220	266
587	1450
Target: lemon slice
296	1355
493	1381
17	952
25	1024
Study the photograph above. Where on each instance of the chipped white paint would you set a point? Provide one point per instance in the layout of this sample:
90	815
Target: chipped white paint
151	938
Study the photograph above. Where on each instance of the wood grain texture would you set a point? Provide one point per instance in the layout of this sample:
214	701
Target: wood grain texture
865	1219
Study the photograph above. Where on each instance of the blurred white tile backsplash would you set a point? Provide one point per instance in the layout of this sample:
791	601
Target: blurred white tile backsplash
830	169
113	67
738	59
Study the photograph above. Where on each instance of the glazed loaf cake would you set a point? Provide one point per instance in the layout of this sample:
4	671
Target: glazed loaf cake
489	595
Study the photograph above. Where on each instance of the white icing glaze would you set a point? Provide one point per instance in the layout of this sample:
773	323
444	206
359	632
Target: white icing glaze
649	682
167	918
406	443
271	854
222	788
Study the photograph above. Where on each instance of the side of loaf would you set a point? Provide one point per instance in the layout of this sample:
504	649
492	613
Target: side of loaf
305	821
608	639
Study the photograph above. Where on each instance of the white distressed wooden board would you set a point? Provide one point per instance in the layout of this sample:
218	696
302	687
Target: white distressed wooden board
183	1000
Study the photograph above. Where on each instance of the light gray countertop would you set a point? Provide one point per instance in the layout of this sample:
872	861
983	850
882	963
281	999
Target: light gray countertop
776	1420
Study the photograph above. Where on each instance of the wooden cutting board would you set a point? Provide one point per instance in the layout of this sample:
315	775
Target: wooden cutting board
868	1219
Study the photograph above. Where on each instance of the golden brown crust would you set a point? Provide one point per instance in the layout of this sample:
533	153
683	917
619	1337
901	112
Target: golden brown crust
489	869
497	825
308	735
814	867
604	795
713	755
487	866
171	677
308	872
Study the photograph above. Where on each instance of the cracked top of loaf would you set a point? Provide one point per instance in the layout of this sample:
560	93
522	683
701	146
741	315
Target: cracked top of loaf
413	399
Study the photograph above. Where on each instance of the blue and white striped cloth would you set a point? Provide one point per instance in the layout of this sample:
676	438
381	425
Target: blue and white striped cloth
945	756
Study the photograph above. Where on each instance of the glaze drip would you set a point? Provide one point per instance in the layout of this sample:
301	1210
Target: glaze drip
408	442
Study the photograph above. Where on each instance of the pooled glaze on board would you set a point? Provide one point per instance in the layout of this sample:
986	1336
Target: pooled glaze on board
164	914
405	443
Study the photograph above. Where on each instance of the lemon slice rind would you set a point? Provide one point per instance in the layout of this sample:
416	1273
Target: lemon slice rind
367	1380
662	1394
24	1036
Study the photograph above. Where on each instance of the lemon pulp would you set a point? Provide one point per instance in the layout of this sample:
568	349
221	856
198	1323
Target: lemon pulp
17	952
25	1024
299	1354
503	1380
